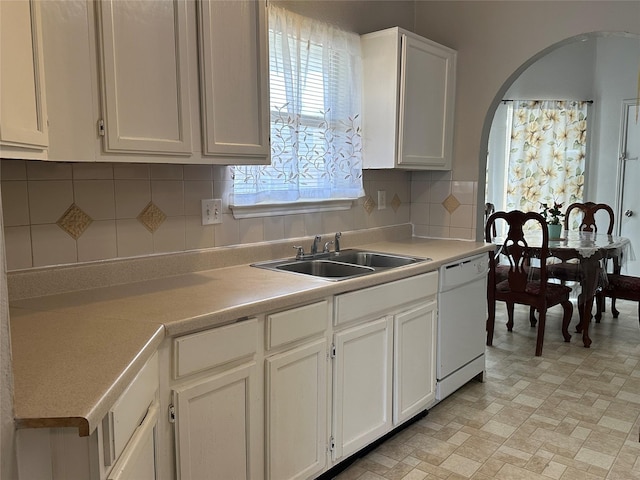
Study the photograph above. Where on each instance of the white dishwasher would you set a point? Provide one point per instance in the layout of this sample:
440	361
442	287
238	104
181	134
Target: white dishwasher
462	317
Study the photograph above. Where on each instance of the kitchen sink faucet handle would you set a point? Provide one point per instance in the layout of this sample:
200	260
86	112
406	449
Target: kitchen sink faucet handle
299	251
327	247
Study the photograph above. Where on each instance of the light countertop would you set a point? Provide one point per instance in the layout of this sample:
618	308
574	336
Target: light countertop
74	353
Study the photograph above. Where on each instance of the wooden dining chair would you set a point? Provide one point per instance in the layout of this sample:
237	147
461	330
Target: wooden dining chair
521	286
569	271
626	287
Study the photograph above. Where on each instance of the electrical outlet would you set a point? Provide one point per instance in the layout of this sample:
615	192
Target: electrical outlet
211	211
382	199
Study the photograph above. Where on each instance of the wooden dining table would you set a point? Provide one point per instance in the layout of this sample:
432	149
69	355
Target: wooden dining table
593	252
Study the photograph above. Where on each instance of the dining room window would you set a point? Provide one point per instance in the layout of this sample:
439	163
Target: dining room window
544	153
315	100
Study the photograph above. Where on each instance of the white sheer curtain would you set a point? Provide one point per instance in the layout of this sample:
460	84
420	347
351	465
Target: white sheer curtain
316	147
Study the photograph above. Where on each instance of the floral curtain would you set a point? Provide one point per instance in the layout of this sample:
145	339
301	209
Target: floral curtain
547	154
316	144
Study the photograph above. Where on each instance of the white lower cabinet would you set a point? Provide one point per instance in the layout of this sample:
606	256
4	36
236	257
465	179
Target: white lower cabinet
362	385
296	384
414	361
217	404
138	460
281	396
384	366
214	424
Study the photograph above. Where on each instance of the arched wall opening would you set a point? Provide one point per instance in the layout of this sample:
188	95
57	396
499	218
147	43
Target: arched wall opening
612	83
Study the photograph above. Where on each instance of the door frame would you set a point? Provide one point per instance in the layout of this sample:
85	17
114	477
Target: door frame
627	105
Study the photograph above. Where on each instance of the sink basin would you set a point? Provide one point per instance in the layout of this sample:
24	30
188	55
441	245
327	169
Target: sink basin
372	259
340	266
325	268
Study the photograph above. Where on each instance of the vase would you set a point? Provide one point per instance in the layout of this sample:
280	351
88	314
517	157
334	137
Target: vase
554	231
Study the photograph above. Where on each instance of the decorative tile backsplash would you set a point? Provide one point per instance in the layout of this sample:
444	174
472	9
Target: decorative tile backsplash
151	217
451	203
74	221
396	202
369	204
442	207
61	213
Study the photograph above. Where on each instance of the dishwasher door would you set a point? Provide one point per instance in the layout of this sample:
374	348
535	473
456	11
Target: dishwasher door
462	315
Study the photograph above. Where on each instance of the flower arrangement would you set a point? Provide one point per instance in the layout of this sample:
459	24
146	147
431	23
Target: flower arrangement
552	214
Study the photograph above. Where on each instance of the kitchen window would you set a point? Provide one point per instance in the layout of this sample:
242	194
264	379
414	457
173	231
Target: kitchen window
316	144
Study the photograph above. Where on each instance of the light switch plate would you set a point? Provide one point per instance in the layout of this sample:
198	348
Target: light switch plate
211	211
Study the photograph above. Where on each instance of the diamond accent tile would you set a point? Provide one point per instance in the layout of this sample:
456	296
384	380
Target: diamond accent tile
396	202
451	203
74	221
152	217
369	204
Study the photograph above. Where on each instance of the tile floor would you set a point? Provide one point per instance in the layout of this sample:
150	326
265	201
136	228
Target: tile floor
573	413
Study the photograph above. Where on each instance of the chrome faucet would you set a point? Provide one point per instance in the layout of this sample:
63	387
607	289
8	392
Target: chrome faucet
327	247
336	242
314	245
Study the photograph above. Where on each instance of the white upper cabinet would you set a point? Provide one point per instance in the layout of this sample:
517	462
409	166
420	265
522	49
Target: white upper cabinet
234	79
157	81
145	72
408	101
23	112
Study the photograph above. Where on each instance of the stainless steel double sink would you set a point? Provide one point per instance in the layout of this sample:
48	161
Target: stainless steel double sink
348	263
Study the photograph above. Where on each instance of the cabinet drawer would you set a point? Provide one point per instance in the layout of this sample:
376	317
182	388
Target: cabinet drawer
203	350
138	460
383	298
296	324
129	410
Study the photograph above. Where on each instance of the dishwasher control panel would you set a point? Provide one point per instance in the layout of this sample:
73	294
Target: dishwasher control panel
463	271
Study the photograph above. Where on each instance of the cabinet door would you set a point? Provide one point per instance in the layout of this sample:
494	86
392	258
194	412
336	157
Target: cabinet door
234	80
143	46
414	361
138	460
427	94
297	412
23	113
362	388
68	33
216	425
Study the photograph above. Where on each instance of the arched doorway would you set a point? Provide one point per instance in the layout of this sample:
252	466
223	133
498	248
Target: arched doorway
607	68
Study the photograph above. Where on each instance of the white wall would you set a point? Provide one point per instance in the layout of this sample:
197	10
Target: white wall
615	79
495	42
563	74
